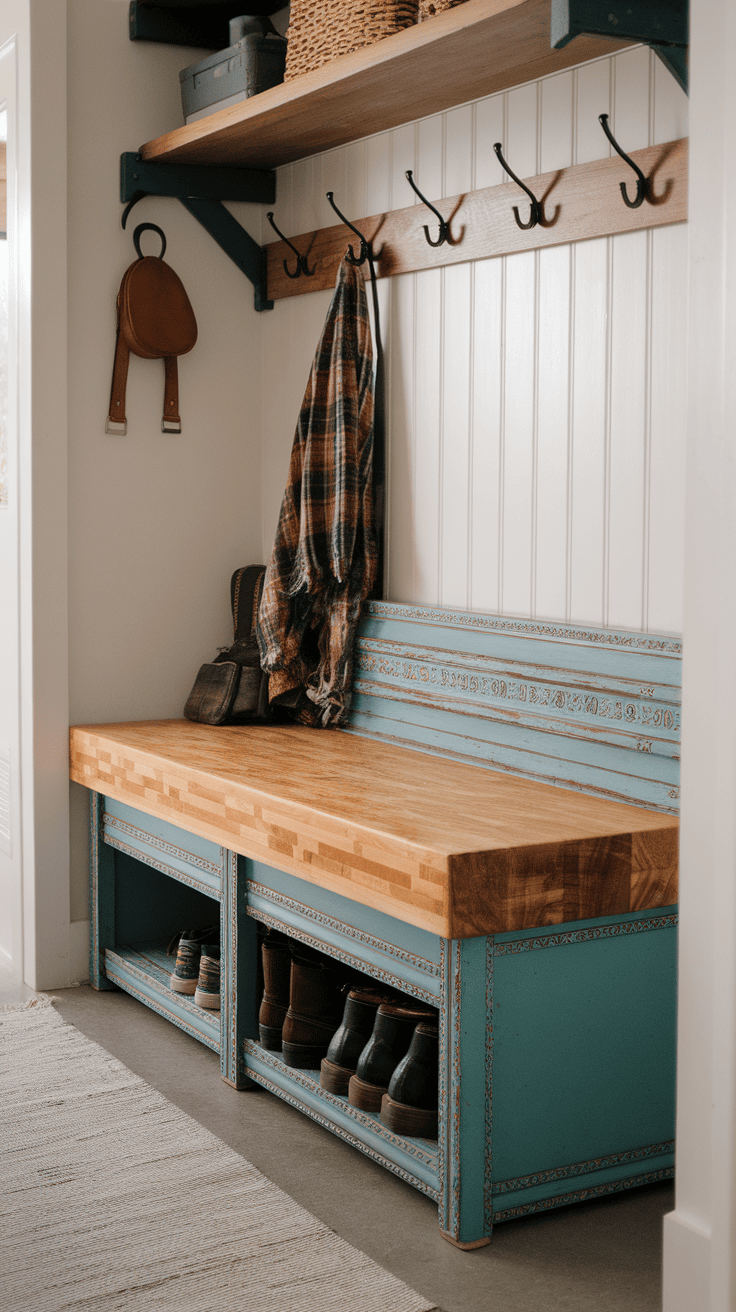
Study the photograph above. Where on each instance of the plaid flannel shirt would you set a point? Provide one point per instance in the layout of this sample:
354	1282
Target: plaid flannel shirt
323	561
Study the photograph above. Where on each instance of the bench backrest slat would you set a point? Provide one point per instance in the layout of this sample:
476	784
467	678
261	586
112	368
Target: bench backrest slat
593	709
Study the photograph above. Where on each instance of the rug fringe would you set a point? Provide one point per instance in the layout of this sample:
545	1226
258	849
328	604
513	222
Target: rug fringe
40	1000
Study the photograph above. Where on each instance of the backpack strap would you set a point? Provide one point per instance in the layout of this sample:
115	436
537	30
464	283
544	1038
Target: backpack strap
171	421
246	586
116	421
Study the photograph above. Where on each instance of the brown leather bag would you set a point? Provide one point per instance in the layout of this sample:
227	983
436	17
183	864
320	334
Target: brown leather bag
155	321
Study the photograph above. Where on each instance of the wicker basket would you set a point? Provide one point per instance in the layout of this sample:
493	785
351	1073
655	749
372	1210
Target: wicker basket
321	30
428	8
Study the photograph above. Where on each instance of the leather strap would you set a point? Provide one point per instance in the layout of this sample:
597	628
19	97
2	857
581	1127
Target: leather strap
116	421
171	421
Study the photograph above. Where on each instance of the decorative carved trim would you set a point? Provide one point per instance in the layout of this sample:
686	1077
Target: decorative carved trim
488	1111
341	927
652	644
171	871
181	853
412	1147
454	1103
436	681
515	946
94	892
584	1168
395	981
583	1195
229	997
442	1090
344	1134
163	1010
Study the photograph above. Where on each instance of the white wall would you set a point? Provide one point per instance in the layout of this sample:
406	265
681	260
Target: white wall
536	405
157	523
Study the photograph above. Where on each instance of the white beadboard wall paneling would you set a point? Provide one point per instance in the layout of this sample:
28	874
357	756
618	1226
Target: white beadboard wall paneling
535	407
401	424
427	445
668	398
628	450
521	150
552	472
588	431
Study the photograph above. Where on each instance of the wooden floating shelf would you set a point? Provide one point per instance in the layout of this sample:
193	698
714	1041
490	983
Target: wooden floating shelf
579	202
474	50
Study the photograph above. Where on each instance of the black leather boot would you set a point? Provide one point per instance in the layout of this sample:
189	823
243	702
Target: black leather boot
350	1039
276	959
410	1106
392	1033
315	1008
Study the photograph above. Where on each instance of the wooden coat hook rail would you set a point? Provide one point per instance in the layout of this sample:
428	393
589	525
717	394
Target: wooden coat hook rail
575	204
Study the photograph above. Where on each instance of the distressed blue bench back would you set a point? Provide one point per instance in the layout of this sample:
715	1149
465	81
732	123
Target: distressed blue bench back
593	709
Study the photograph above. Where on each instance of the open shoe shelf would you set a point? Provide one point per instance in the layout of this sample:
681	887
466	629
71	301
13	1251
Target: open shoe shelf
474	50
145	973
415	1160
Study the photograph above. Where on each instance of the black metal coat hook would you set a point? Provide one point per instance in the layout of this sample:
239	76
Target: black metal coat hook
365	248
302	265
444	225
642	183
537	214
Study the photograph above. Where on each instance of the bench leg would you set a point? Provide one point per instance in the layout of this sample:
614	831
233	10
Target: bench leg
465	1213
239	948
102	896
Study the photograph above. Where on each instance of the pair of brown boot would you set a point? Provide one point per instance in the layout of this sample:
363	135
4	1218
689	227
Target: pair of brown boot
385	1057
378	1048
302	1001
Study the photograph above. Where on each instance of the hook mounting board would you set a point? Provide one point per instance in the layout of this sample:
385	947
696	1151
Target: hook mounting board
579	203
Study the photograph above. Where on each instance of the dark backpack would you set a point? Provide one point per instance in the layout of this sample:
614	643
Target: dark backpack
233	689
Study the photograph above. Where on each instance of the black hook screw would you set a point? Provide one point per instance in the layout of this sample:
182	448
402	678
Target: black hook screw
642	183
444	225
537	214
302	265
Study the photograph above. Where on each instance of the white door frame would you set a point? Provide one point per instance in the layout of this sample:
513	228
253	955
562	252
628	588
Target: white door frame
36	30
699	1234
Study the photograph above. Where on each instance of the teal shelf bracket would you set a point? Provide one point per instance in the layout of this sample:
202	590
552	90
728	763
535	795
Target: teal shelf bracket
661	24
201	190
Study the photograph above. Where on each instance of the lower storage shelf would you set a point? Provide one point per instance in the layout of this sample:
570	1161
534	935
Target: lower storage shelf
145	972
415	1160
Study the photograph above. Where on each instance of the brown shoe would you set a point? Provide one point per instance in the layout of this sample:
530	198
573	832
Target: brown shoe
410	1106
350	1039
315	1008
392	1033
276	959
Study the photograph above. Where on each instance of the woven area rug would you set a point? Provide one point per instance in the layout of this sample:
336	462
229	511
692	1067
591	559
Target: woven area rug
113	1198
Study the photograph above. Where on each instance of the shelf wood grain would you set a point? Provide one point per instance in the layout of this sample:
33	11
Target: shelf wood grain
454	849
580	202
474	50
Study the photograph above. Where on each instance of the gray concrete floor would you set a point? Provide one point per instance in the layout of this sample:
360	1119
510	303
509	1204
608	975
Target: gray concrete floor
12	990
603	1256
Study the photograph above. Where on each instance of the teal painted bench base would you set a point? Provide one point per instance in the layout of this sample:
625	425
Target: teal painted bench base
557	1047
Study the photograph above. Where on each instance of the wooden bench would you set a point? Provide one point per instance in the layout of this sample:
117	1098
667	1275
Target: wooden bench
538	919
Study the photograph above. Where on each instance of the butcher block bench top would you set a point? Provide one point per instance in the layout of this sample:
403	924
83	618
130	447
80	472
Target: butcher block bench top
456	849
